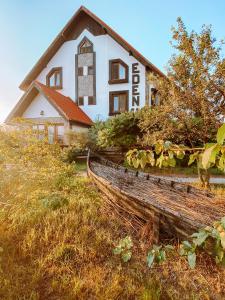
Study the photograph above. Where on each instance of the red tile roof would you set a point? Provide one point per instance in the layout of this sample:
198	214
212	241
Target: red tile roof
65	105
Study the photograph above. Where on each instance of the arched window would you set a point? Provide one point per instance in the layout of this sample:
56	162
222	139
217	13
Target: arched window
54	78
85	46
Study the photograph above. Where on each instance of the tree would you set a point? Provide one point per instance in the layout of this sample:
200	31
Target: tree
193	94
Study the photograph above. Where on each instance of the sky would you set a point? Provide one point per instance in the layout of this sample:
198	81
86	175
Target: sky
27	27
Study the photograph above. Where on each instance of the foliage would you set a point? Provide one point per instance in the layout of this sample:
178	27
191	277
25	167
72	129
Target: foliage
93	135
161	123
164	154
161	154
78	140
211	239
188	249
78	144
124	248
54	201
119	131
157	254
192	96
214	154
67	253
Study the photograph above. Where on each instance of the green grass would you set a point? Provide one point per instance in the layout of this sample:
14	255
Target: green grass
81	165
67	254
58	233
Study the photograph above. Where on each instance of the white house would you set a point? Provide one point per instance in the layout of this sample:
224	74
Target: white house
88	73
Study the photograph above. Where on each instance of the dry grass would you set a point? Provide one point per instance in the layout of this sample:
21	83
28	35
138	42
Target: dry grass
65	252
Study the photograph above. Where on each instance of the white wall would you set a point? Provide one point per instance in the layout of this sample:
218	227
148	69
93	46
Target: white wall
38	104
106	48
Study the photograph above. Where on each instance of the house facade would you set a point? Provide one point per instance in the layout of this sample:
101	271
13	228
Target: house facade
88	73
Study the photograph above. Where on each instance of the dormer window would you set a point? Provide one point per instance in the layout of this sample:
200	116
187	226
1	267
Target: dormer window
85	46
54	78
118	71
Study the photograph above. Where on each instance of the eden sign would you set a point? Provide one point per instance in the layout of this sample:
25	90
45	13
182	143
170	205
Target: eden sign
135	85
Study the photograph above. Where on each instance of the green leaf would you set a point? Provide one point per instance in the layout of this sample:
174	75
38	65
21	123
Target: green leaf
187	244
126	256
180	154
135	162
221	135
223	241
208	156
158	148
117	250
192	259
169	247
200	237
193	157
160	160
172	162
161	256
150	258
219	255
143	162
221	165
151	158
128	242
182	251
167	145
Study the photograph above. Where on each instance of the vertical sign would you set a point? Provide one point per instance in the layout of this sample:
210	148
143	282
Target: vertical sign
135	86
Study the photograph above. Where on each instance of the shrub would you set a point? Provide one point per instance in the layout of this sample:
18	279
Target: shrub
119	131
54	201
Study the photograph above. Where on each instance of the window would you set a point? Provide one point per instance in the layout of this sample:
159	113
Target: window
85	46
54	78
118	71
90	70
118	102
54	132
80	71
154	97
81	101
91	100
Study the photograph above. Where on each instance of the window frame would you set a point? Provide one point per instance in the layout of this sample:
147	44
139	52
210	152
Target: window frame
89	49
154	97
115	81
111	103
44	133
50	74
